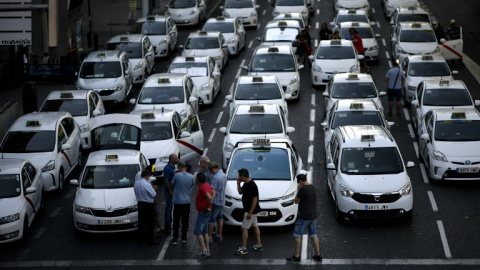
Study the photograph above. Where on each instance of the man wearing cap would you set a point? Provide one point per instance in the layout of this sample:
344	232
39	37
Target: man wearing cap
145	194
182	184
453	32
307	214
218	182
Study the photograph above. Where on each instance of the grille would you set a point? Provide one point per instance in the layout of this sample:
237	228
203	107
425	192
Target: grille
368	198
114	213
463	163
284	88
106	92
152	161
377	213
106	228
238	214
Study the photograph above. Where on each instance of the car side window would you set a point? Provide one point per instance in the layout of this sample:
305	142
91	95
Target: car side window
32	172
26	182
191	124
69	125
61	137
176	123
91	104
143	161
188	88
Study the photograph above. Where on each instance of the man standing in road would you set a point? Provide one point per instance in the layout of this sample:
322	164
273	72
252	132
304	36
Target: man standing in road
168	174
218	183
249	192
395	78
145	194
203	203
307	218
204	161
182	184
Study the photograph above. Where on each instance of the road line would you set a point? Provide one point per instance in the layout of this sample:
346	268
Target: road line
238	73
219	117
205	150
40	232
250	44
432	201
424	173
387	55
313	100
56	211
378	24
373	10
407	115
390	63
312	115
317	25
225	103
309	174
384	42
443	236
213	8
316	42
210	139
415	145
258	25
311	135
410	129
70	194
264	11
318	10
310	154
163	251
303	254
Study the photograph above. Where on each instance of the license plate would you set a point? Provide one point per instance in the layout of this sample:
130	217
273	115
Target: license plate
263	214
467	170
112	221
376	207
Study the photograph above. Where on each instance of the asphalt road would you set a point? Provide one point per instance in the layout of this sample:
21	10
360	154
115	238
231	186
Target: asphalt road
443	233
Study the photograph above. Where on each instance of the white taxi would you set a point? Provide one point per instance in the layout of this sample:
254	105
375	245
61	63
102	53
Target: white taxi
140	52
253	90
279	61
21	194
286	6
50	140
413	38
408	14
259	120
109	73
351	86
366	174
292	16
333	57
168	91
389	6
418	68
437	94
187	12
202	43
204	72
347	112
83	105
363	5
278	33
232	30
164	133
344	15
162	32
449	143
246	10
274	165
370	43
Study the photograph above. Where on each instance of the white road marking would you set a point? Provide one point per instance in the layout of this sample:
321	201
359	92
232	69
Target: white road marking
312	115
384	42
210	139
415	145
163	251
316	42
310	154
373	10
219	118
40	232
309	174
318	10
264	11
238	73
424	173
56	211
378	24
250	44
70	194
410	130
443	236
303	254
387	55
205	150
407	115
311	135
313	100
390	63
258	25
225	103
432	201
317	24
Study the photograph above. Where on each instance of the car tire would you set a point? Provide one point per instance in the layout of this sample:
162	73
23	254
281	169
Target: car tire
80	158
339	216
61	180
169	52
25	230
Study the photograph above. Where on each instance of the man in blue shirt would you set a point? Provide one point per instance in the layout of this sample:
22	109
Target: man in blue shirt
395	78
182	184
218	182
145	194
168	174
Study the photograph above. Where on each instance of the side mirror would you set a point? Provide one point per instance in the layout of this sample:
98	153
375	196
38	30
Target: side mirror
192	99
288	96
383	93
223	130
228	97
216	73
455	72
257	6
410	164
325	94
258	38
332	23
324	125
360	57
390	124
180	47
166	6
76	73
414	102
224	46
290	130
394	40
310	57
74	182
442	40
96	112
331	166
221	7
200	5
132	101
66	146
425	137
300	67
245	67
477	102
30	190
185	134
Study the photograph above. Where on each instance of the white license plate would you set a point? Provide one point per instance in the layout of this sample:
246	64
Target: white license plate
376	207
263	214
467	170
113	221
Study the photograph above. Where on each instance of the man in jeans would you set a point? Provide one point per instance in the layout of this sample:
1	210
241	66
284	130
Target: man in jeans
203	202
168	174
182	186
395	78
307	218
218	182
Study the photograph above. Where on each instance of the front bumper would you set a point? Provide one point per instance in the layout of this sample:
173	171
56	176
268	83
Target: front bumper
390	205
292	89
274	214
11	232
91	224
440	170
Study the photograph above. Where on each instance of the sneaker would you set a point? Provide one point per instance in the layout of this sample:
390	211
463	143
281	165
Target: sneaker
293	259
256	248
241	251
219	238
210	240
203	255
317	258
173	242
184	241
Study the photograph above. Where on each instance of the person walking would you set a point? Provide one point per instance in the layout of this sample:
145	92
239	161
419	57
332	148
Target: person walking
182	184
395	78
301	46
218	183
307	218
251	207
145	194
325	33
203	202
358	44
168	174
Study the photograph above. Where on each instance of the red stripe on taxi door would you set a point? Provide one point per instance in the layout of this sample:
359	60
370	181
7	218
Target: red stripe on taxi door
193	147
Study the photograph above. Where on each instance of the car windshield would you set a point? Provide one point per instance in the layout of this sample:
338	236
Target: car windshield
29	141
417	36
258	91
100	70
273	62
10	186
256	124
150	28
156	131
261	163
133	49
413	18
290	3
346	118
354	90
110	176
336	52
371	160
446	97
200	43
182	3
116	136
76	107
364	32
161	95
457	130
226	27
284	34
428	69
194	69
239	4
352	18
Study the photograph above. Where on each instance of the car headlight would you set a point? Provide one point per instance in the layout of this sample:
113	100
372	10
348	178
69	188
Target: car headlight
205	87
82	209
163	41
193	11
317	68
84	127
439	156
275	12
168	13
232	40
139	65
226	14
288	203
401	51
183	113
373	48
406	189
163	159
49	166
253	14
286	197
10	218
354	68
118	87
437	50
217	57
294	79
390	5
345	191
228	147
412	88
133	208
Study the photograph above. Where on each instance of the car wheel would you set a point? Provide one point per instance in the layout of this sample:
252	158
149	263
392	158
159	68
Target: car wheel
339	216
80	158
169	52
25	230
42	203
61	179
429	174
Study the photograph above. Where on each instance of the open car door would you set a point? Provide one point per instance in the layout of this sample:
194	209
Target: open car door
190	139
453	49
116	131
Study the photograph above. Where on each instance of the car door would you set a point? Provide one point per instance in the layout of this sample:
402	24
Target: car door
241	33
417	109
35	181
127	71
190	138
30	206
98	102
452	49
215	74
191	91
149	54
173	33
426	128
71	155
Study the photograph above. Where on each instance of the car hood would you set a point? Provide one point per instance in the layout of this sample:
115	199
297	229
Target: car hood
105	198
202	52
81	120
369	42
352	4
155	39
239	12
426	109
228	36
99	83
156	149
10	206
38	159
283	77
293	9
234	138
336	65
267	189
199	81
135	61
459	149
176	106
379	183
414	81
418	48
